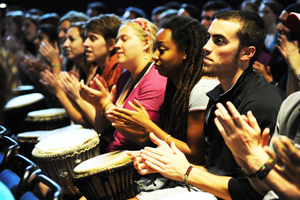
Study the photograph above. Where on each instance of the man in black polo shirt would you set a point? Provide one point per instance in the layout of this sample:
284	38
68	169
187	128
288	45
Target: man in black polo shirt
235	39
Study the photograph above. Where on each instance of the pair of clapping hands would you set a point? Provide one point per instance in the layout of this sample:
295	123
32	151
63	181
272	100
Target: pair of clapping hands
241	134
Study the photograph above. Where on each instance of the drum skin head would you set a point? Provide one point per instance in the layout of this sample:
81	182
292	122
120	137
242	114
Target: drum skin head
101	163
67	143
60	130
23	100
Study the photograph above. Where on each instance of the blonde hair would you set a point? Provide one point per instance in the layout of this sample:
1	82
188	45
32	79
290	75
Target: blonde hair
139	31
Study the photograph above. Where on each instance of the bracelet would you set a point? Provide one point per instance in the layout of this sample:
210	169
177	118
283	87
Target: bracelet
186	176
56	65
263	171
167	138
103	111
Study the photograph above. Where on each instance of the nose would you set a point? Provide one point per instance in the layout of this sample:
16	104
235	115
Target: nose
207	47
86	42
118	45
66	43
155	55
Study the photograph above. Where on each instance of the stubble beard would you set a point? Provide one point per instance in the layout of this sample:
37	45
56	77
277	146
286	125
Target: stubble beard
224	71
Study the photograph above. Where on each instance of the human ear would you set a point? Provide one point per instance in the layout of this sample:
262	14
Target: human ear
247	53
147	44
111	44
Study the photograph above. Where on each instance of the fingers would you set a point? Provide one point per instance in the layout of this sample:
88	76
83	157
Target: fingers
174	148
221	128
133	153
253	122
99	85
224	119
265	137
104	84
292	152
152	158
155	139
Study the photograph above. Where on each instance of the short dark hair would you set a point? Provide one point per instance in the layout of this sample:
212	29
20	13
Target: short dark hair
107	25
138	12
216	5
275	6
252	30
159	9
193	11
49	18
74	16
98	6
50	30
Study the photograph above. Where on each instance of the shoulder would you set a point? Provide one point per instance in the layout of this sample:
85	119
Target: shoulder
204	85
198	98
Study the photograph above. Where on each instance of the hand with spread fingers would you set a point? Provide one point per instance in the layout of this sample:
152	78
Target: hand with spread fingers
287	159
243	137
290	51
35	66
49	52
261	70
70	85
166	160
97	94
136	119
51	82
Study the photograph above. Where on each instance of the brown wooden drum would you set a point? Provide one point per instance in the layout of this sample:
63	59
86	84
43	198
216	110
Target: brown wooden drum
108	176
59	154
47	119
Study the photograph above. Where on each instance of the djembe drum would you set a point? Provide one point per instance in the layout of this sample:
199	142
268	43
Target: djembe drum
59	154
108	176
18	107
47	119
27	141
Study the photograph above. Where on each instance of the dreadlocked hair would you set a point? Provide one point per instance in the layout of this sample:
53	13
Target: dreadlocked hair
189	36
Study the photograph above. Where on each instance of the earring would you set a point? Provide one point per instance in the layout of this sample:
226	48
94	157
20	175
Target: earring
145	54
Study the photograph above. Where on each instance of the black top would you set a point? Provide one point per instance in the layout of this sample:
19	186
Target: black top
250	92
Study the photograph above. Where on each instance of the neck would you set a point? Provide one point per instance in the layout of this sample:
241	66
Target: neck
81	62
229	81
176	81
136	67
103	62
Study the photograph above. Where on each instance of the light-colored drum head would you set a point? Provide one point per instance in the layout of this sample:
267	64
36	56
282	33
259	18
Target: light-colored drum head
47	114
59	131
23	100
102	162
30	136
67	143
23	88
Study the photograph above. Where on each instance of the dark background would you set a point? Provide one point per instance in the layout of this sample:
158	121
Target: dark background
63	6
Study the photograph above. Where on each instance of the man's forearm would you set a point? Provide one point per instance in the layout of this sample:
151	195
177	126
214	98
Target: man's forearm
214	184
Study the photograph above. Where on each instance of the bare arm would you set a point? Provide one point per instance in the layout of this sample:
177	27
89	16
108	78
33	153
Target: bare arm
139	121
245	143
172	163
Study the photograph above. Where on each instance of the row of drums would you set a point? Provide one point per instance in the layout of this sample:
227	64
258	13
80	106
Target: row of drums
68	154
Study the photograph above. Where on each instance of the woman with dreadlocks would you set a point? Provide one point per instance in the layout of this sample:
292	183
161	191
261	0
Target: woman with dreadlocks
178	57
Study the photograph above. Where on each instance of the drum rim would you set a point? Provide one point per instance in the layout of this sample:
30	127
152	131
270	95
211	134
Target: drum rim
105	173
39	97
123	159
64	152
